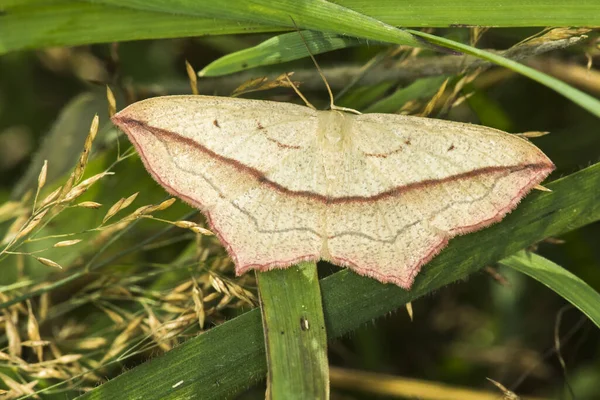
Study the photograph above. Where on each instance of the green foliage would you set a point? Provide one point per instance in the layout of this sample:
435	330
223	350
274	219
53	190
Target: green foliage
140	288
38	23
350	301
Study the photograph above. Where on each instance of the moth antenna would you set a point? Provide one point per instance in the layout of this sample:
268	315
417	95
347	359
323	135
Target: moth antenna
299	93
331	105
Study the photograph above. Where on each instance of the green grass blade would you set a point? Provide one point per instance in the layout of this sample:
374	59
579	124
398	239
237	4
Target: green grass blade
501	13
278	49
577	96
69	23
29	24
563	282
294	328
320	15
228	358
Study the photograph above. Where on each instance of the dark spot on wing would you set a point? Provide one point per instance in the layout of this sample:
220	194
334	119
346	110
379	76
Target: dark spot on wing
216	123
451	148
259	125
407	142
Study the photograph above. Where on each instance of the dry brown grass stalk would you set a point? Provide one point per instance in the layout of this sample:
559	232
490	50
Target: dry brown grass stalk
192	77
45	337
33	332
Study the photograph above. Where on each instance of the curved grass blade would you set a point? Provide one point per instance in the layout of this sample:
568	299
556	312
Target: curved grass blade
69	23
577	96
278	49
29	24
477	13
294	329
560	280
318	15
237	346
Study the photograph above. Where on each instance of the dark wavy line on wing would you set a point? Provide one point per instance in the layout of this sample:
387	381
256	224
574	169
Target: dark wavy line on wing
392	239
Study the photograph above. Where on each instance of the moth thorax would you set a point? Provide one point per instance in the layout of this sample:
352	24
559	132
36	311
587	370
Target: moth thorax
332	130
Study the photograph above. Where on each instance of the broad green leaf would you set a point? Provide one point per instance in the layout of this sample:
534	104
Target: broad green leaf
294	328
228	358
560	280
278	49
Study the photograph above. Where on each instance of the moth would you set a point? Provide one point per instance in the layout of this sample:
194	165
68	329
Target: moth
281	183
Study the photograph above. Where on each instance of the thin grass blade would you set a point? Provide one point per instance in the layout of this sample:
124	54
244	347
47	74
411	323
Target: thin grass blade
318	15
560	280
294	329
276	50
30	24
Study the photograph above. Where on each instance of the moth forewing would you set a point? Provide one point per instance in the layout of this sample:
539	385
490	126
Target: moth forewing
281	183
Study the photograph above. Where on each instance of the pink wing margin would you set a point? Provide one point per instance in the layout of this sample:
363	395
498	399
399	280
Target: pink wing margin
535	173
